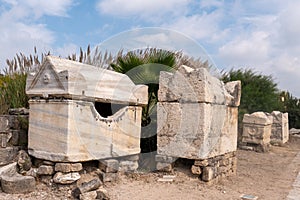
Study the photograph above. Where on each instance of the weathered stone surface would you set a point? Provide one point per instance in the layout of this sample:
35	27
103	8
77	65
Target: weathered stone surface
196	170
211	131
257	128
164	167
196	85
234	89
90	185
131	157
17	183
4	125
164	158
45	170
88	195
68	178
8	154
108	177
280	127
109	165
257	118
208	173
8	169
128	166
68	167
70	79
75	132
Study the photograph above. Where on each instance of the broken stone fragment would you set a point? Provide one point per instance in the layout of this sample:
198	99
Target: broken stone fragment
196	170
108	177
93	184
17	183
68	178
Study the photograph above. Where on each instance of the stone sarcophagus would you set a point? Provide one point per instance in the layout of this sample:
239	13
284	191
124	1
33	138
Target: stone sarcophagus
280	127
257	128
79	112
197	114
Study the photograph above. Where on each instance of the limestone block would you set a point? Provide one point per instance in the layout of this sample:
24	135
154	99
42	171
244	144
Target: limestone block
68	167
90	185
67	178
8	154
45	170
18	184
76	132
280	127
59	77
110	165
196	130
257	128
196	85
208	173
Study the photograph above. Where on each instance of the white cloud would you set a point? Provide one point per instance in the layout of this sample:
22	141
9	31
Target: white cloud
246	50
198	26
20	31
147	10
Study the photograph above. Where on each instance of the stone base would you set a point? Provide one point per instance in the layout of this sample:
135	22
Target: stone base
215	168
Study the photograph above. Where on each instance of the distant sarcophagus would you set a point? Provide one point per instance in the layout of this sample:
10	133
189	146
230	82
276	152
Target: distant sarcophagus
79	112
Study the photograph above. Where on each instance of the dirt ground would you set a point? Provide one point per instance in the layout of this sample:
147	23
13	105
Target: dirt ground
269	176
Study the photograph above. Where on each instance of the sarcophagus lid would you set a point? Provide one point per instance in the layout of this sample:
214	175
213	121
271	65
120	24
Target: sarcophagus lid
59	77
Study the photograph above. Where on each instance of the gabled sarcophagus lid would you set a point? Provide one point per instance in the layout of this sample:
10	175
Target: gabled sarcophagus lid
59	77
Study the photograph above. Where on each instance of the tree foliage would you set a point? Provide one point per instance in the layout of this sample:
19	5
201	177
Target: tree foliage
259	92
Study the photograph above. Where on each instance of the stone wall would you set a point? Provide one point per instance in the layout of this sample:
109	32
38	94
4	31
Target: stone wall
13	134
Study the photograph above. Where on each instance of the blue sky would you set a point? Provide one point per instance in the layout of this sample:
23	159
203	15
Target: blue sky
258	34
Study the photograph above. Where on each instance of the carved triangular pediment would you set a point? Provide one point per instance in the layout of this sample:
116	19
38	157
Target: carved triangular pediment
46	79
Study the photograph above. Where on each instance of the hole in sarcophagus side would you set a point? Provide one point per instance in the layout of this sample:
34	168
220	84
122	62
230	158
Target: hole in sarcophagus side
108	109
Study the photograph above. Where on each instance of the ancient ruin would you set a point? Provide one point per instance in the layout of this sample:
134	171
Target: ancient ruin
197	119
280	127
257	128
81	115
83	112
261	129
